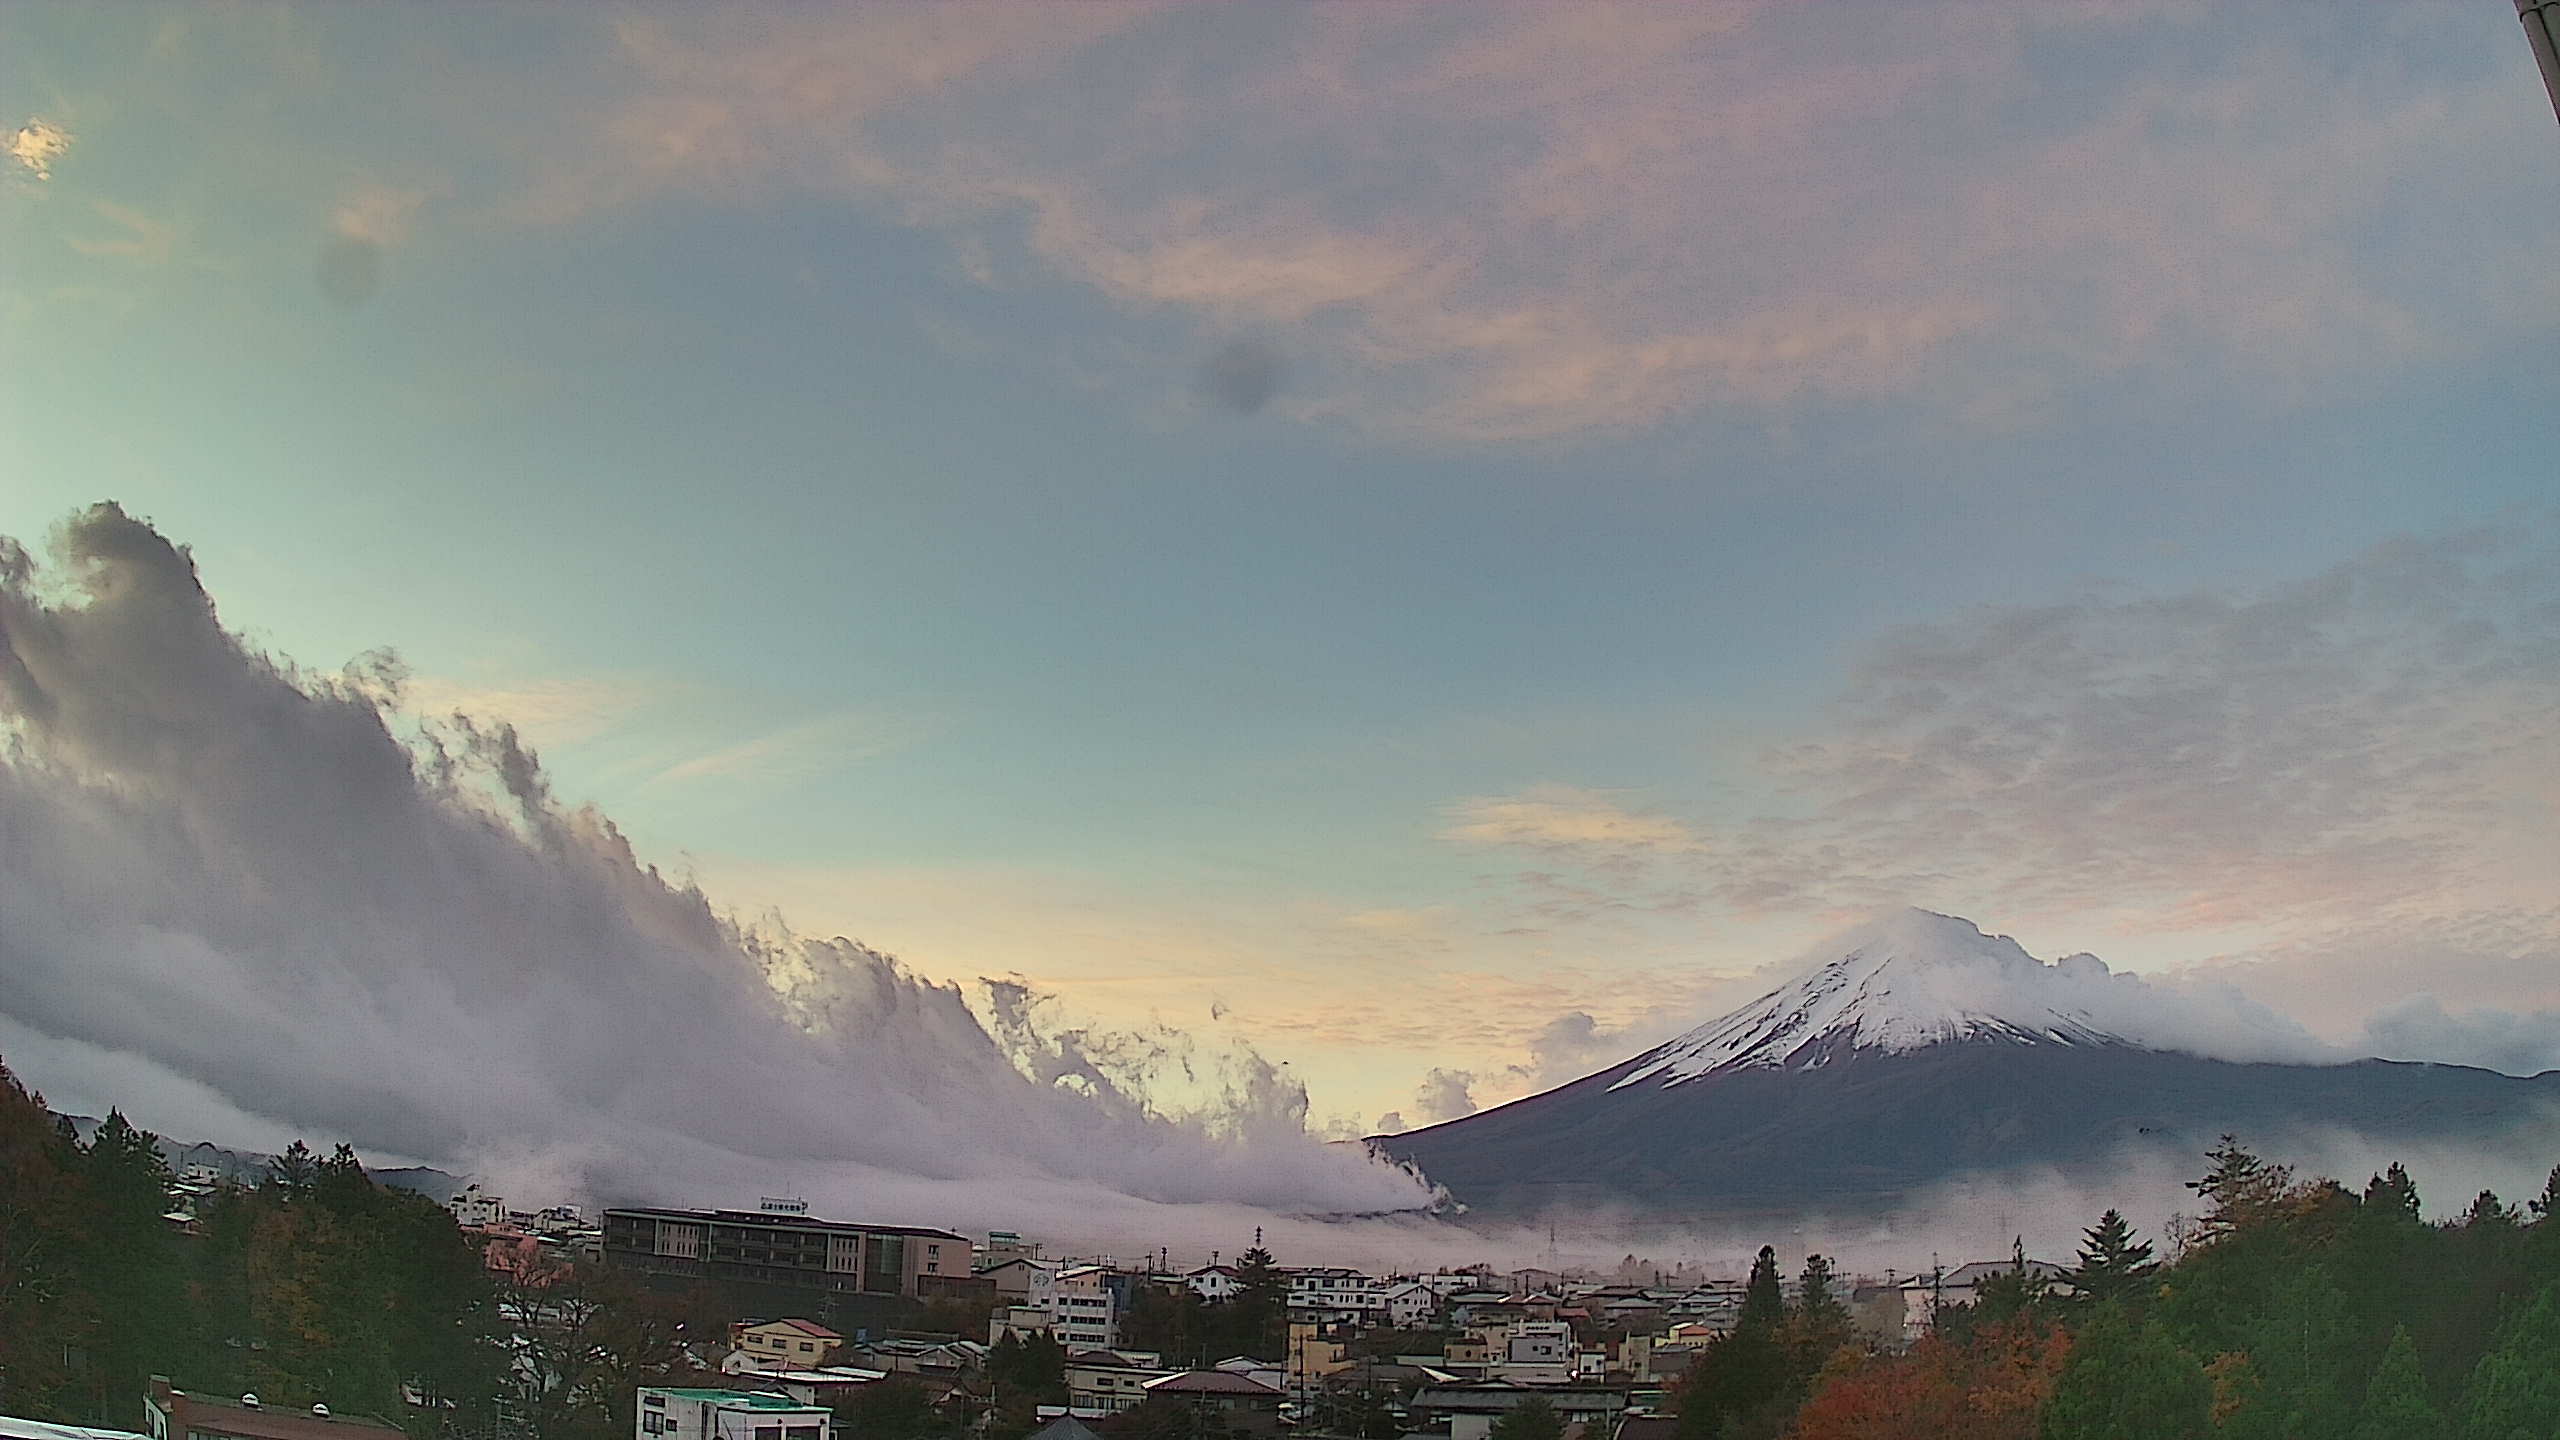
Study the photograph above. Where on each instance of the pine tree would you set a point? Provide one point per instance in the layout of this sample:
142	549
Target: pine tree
2547	1204
294	1169
2488	1212
2515	1390
2240	1190
2114	1266
2128	1382
130	1260
2392	1193
1260	1311
2395	1400
1748	1369
1764	1301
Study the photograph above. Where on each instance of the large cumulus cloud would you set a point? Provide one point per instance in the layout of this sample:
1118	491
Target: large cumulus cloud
246	879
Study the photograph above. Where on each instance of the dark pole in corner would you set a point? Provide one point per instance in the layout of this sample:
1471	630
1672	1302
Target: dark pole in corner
2542	29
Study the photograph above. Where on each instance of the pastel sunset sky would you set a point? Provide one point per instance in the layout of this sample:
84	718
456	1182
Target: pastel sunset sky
1437	542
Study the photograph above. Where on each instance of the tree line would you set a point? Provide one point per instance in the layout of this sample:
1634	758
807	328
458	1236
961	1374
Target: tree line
2290	1308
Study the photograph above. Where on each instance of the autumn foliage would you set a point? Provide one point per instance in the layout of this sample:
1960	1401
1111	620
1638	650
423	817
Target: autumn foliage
1991	1385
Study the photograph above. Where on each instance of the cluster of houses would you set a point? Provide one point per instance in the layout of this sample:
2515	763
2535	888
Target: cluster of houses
1450	1351
1447	1352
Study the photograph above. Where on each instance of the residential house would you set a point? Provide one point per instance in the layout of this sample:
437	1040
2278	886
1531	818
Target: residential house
1923	1294
783	1344
689	1413
1239	1404
1014	1276
1019	1321
1406	1304
1213	1282
1471	1409
1537	1352
1103	1382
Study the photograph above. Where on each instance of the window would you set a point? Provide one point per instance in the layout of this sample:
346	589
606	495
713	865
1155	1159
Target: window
802	1432
659	1401
768	1432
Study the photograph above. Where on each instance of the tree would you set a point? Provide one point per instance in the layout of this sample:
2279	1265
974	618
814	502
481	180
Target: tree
1820	1325
2113	1264
2392	1194
130	1261
2515	1390
294	1169
1991	1385
2546	1204
1747	1372
2487	1212
2395	1400
1260	1311
2240	1190
2128	1382
43	1309
1531	1419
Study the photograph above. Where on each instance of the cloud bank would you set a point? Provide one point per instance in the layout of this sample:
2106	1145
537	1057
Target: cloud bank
238	879
2321	796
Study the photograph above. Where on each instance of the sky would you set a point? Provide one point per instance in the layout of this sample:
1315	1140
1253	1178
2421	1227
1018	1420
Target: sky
1399	553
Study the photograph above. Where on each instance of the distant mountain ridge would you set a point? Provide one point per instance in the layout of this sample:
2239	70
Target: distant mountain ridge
248	1167
1927	1050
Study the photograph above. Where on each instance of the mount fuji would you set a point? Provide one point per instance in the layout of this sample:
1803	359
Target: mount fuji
1926	1050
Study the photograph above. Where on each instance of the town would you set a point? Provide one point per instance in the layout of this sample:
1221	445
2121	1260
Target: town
801	1327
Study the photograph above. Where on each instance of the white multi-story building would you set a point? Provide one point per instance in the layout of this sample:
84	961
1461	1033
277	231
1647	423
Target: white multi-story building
683	1413
473	1208
1537	1352
1083	1306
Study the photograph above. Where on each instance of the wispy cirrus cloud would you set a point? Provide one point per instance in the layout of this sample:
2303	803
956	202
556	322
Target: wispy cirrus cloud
1563	816
808	748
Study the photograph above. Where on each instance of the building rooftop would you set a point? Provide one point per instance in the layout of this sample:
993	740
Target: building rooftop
1210	1382
793	1222
810	1328
731	1399
15	1428
209	1416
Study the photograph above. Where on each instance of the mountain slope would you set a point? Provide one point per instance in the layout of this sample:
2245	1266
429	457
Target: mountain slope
1925	1051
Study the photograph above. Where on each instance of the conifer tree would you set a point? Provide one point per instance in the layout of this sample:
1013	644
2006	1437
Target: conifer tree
1260	1311
130	1260
2547	1204
2240	1190
2515	1389
2392	1193
2395	1400
1746	1370
2488	1212
2114	1265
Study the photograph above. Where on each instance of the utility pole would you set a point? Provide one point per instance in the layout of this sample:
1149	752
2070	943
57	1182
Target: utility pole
2542	30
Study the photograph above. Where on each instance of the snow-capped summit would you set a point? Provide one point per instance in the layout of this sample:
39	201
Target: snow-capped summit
1909	980
1916	1050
